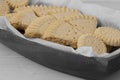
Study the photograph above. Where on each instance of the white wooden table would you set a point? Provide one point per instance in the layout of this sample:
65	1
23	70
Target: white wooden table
15	67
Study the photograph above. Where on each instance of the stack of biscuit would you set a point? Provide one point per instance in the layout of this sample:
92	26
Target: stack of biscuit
61	25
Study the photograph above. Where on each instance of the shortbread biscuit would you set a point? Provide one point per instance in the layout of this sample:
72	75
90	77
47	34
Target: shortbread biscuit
22	19
63	33
4	8
91	41
84	23
108	35
17	3
46	25
38	26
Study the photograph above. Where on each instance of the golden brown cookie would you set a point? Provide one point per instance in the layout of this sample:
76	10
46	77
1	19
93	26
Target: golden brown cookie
91	41
84	23
38	26
60	32
63	33
22	19
71	29
17	3
108	35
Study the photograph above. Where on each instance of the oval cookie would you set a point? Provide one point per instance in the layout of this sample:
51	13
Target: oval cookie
91	41
108	35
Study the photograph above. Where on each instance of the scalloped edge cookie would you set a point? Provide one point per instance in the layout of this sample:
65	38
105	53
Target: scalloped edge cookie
35	29
91	41
108	35
22	19
62	33
84	23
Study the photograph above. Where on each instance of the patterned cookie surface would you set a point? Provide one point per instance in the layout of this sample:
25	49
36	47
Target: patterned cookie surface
59	32
85	24
63	33
38	26
108	35
91	41
17	3
22	19
4	8
67	32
